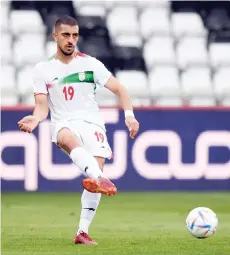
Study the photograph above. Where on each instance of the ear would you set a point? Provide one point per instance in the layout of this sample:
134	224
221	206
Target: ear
55	36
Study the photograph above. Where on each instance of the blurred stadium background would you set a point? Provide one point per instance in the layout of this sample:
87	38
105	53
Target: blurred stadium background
166	53
174	58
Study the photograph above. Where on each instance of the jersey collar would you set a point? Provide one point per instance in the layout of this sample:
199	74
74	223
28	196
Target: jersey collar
75	55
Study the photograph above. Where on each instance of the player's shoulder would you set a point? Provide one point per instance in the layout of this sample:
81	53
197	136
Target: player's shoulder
87	58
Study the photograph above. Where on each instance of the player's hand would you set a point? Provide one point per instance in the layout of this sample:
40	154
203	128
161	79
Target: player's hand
133	126
28	123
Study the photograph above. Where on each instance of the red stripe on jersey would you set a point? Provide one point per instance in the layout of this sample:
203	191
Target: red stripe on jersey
48	86
80	54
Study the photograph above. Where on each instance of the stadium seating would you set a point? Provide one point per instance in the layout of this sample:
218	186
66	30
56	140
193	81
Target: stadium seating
105	98
219	54
202	101
119	24
90	8
128	41
222	83
169	101
197	81
93	7
24	78
192	51
225	102
8	86
93	26
4	17
159	50
150	27
162	85
32	19
128	58
6	48
166	53
136	82
29	49
51	47
187	24
28	99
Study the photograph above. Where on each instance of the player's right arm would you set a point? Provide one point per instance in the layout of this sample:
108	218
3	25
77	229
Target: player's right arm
29	123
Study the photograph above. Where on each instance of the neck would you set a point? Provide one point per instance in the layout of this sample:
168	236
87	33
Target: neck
63	58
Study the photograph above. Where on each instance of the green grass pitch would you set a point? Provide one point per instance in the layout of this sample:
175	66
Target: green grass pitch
126	224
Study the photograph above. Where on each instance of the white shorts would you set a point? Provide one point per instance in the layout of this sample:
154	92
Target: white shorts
92	137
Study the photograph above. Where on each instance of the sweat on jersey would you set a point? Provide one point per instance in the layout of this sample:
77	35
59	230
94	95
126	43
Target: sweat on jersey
71	87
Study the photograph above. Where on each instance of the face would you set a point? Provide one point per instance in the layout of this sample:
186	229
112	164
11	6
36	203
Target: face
66	37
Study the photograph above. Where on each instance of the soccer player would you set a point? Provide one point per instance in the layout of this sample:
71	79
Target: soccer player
66	85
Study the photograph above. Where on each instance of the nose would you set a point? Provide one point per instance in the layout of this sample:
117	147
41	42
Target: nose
71	40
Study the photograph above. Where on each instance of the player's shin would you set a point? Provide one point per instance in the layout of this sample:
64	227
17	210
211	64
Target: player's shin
89	202
86	162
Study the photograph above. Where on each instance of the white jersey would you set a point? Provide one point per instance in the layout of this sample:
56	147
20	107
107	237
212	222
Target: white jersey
71	87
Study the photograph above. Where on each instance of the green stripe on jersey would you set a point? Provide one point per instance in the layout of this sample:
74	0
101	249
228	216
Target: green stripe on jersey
78	77
52	57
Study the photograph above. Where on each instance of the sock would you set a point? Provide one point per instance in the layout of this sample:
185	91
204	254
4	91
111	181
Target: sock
86	162
89	203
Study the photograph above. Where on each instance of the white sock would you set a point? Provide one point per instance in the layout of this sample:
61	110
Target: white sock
89	203
86	162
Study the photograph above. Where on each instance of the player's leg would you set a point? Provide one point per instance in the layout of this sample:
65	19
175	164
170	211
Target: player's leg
89	203
95	141
100	149
70	143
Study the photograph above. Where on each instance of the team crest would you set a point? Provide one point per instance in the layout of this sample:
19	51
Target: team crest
81	76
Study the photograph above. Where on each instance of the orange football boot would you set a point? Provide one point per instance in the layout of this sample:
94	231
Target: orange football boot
101	185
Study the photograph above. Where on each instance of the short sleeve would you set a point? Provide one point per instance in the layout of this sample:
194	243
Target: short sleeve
39	81
101	73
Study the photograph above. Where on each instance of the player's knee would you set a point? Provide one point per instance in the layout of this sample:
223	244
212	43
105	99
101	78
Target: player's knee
67	140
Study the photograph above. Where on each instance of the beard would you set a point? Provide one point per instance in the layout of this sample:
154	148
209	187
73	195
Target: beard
66	53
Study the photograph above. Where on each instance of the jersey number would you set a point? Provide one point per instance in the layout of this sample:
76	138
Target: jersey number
68	92
100	137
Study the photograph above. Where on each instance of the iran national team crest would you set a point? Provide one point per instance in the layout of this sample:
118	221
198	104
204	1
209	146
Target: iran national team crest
81	76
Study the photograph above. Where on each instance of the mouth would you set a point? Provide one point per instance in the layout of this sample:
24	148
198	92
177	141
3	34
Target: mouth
70	47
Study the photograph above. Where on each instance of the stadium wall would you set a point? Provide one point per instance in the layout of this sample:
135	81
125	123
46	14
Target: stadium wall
176	149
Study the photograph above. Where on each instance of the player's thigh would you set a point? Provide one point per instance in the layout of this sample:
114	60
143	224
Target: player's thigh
95	141
100	161
67	140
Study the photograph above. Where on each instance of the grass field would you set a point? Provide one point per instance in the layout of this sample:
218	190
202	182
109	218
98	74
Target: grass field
128	223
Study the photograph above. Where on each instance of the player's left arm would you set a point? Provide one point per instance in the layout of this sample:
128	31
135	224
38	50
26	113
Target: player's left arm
121	92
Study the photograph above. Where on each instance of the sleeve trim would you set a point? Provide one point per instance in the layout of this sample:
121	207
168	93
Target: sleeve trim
108	79
35	94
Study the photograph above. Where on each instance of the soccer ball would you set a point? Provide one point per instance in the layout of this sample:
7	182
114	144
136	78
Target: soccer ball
202	222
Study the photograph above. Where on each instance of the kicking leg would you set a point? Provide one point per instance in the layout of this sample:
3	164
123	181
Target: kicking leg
102	186
97	182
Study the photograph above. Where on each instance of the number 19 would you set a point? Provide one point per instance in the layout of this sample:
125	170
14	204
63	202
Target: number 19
68	92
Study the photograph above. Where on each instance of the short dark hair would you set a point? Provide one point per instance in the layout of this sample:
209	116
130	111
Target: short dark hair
66	20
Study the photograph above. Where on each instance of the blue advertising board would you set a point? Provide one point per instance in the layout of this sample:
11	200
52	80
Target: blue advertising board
176	149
